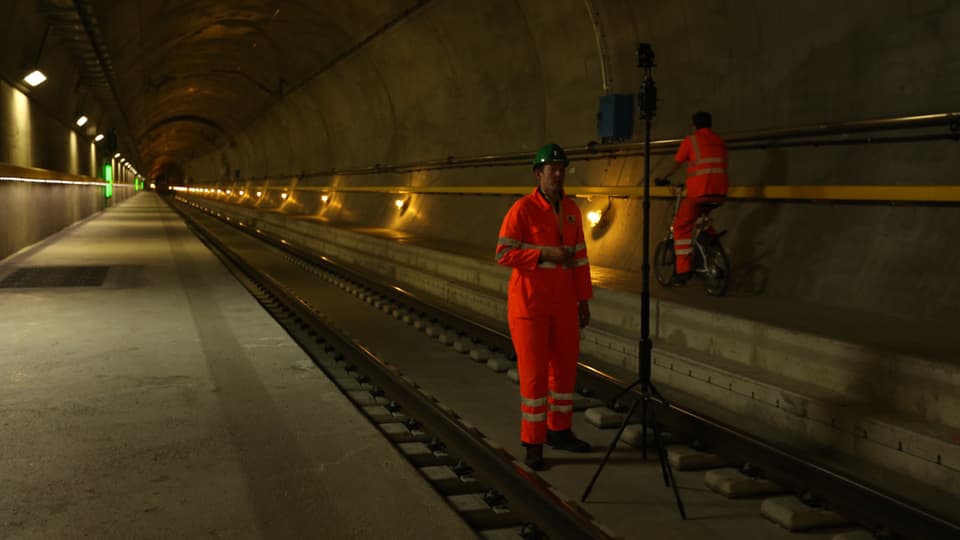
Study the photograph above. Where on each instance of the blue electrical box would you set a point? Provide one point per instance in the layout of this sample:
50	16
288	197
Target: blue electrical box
615	117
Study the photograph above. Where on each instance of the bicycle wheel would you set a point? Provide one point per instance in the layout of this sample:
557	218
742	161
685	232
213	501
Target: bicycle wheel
717	267
663	260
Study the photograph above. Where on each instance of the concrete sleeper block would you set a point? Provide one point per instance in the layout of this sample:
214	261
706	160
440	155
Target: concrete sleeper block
684	458
633	435
499	363
603	417
792	514
479	354
733	484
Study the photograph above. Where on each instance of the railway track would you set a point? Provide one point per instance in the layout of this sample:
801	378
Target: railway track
495	494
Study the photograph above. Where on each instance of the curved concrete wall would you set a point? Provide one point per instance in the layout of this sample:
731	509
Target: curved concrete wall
37	132
468	78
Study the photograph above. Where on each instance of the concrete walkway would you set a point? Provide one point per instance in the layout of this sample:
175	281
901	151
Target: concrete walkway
165	403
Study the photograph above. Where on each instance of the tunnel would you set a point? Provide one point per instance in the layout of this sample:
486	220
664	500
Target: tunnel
395	136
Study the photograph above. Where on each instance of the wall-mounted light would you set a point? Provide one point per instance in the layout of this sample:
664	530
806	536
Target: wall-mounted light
241	193
35	78
115	156
229	192
594	216
324	197
98	138
402	204
259	194
283	196
600	220
82	121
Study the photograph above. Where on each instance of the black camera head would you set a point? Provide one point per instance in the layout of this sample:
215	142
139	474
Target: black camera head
645	55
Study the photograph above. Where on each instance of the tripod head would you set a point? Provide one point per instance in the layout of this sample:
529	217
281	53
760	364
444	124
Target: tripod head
647	99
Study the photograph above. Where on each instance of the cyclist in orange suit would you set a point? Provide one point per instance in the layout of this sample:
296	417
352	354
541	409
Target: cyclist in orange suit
542	240
705	154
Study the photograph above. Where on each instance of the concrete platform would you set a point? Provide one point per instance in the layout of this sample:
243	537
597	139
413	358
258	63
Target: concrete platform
165	403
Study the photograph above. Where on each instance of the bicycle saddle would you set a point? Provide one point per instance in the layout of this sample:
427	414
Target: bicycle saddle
708	206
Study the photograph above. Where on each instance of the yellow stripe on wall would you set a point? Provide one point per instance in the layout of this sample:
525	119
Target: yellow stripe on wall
940	194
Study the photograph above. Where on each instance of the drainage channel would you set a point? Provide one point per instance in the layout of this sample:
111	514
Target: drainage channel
494	494
761	465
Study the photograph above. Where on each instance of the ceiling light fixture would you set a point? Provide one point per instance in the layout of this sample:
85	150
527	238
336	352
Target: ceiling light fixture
35	78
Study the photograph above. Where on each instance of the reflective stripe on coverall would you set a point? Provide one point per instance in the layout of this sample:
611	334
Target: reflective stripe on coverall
542	309
707	182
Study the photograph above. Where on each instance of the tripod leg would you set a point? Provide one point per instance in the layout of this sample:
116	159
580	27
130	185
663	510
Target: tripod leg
613	444
643	426
668	478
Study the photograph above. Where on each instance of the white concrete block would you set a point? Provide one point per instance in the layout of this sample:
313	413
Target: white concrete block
348	383
733	484
398	432
381	415
499	363
363	398
684	458
442	477
581	403
479	354
633	434
415	450
462	345
446	338
513	375
792	514
603	417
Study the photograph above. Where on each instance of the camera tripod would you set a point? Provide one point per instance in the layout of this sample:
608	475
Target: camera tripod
648	107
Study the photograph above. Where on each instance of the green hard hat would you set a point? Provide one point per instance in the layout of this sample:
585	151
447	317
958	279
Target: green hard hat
550	153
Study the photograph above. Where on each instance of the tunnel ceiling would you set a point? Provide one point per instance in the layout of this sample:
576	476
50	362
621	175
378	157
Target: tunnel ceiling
190	74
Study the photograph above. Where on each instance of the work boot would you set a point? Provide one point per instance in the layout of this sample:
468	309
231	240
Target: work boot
679	280
566	440
534	458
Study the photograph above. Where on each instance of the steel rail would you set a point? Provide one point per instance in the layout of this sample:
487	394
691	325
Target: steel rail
526	493
594	150
935	194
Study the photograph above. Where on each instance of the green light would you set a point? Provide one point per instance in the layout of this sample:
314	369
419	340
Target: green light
108	177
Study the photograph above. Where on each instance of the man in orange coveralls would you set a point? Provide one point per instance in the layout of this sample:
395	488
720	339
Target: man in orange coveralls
705	154
547	303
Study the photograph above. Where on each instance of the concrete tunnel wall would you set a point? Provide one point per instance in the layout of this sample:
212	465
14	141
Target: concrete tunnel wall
469	78
37	132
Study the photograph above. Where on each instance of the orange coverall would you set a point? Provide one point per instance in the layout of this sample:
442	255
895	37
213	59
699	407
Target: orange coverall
542	309
707	182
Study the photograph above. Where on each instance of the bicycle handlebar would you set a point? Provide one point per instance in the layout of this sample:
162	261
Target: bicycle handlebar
661	182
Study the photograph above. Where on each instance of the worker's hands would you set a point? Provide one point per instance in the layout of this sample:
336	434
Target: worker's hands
557	255
583	310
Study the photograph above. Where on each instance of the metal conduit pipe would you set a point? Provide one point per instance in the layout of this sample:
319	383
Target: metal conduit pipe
746	140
